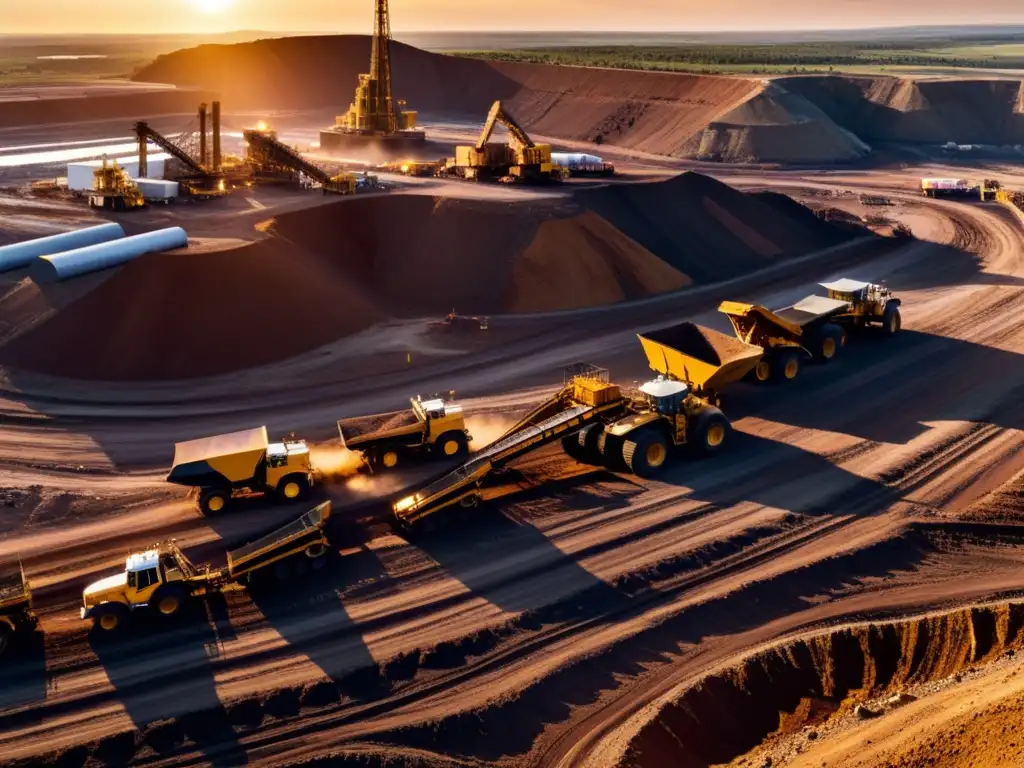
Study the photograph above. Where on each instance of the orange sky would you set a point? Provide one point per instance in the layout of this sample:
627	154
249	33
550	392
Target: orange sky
113	16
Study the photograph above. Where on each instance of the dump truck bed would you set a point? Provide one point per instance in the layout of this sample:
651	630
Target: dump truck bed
812	308
209	460
362	429
703	357
285	541
14	592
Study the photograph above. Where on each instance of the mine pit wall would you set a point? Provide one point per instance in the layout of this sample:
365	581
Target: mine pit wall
731	712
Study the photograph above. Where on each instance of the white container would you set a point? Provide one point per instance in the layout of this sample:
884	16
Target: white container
61	266
81	175
22	254
157	190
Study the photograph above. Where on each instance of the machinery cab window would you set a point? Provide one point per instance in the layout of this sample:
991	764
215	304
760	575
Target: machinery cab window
140	580
665	395
277	455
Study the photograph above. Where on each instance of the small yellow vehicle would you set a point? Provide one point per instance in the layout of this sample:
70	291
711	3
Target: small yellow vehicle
431	428
16	612
242	464
162	580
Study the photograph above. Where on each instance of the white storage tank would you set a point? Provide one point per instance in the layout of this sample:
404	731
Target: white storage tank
157	190
92	258
81	178
22	254
578	162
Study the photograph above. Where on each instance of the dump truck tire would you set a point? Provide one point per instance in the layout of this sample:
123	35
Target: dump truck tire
110	617
711	430
386	458
169	601
292	488
645	452
762	372
451	444
572	448
830	340
609	447
786	366
892	321
213	501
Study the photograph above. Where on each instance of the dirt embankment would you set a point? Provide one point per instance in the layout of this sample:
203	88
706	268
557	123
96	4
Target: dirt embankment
326	272
128	105
809	119
919	111
808	681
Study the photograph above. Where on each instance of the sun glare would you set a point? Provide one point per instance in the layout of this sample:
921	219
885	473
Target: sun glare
212	6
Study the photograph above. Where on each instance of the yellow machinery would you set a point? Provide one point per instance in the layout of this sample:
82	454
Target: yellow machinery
816	327
162	580
16	612
242	465
374	116
113	190
599	423
271	160
431	428
518	160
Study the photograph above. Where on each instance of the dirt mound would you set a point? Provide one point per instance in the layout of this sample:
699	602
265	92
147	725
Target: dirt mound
919	111
605	266
808	681
650	111
776	126
325	272
178	315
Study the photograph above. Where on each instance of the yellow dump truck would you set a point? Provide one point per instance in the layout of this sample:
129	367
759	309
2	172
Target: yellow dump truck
16	612
162	580
242	464
431	428
816	327
601	423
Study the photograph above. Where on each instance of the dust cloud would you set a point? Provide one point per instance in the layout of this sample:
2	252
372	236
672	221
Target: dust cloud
334	461
486	429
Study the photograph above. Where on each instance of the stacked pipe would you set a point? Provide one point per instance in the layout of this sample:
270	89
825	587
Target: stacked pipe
70	254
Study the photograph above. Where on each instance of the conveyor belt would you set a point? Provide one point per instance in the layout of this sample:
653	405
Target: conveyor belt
451	487
294	536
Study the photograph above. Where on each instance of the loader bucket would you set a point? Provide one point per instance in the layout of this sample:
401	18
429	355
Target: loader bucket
706	359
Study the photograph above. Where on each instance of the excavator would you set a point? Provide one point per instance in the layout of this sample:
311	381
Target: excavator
518	160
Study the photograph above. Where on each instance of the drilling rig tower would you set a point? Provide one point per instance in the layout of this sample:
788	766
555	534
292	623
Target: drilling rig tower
374	117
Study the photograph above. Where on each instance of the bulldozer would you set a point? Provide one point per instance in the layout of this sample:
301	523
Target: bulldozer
518	160
113	190
242	465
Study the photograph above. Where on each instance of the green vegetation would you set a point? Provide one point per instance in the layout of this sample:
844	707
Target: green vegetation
869	56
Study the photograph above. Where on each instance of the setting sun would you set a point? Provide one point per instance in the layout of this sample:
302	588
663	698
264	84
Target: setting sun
212	6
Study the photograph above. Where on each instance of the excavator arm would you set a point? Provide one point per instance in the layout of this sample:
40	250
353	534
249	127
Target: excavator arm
499	115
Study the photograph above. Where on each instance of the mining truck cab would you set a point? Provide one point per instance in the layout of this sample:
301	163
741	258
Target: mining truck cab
869	303
444	424
149	579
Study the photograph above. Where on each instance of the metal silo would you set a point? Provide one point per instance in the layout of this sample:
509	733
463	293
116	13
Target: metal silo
61	266
22	254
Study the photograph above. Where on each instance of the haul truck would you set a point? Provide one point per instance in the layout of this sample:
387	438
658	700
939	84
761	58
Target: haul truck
816	327
16	613
431	428
242	465
162	580
598	422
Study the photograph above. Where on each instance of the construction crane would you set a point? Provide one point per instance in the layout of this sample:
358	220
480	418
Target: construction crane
374	116
520	159
272	160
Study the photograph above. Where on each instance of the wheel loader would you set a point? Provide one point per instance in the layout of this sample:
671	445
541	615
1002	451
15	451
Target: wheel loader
244	464
162	580
431	428
815	328
16	612
631	429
